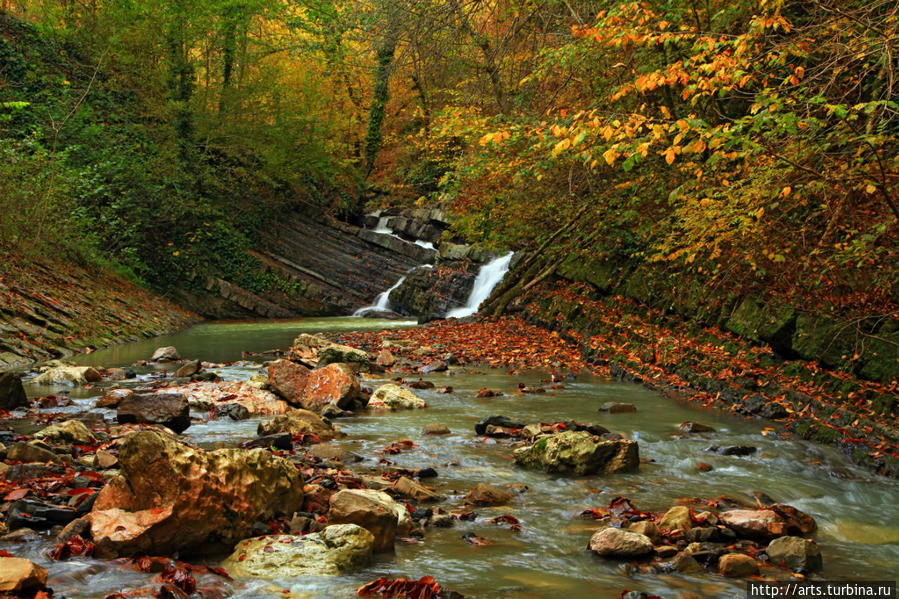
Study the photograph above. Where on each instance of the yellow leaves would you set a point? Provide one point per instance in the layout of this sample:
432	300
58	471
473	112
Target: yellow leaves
800	72
665	111
610	156
760	212
643	149
785	192
497	137
696	147
561	147
671	153
871	188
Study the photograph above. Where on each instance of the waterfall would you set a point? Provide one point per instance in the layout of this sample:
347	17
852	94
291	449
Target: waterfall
488	278
382	226
382	302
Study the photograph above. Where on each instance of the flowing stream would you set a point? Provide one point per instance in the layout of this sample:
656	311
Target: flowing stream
856	511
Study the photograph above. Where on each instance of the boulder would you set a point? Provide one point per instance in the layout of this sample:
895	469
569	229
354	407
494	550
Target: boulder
68	375
113	398
737	565
762	523
337	549
435	428
189	369
621	544
332	384
18	575
70	432
617	407
165	354
394	397
288	379
213	395
385	358
171	496
316	350
412	490
12	393
579	453
375	511
484	494
676	518
795	553
168	409
297	423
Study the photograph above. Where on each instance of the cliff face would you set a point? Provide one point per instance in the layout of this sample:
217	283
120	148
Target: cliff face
322	267
51	309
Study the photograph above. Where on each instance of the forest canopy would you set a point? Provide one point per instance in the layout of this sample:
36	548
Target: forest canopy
750	145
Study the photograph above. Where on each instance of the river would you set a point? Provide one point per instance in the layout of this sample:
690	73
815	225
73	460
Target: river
856	511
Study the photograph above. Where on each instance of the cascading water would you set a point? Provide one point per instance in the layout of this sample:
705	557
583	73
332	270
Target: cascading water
382	302
488	278
383	229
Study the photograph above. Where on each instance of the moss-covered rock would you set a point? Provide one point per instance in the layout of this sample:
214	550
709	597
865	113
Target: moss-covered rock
579	453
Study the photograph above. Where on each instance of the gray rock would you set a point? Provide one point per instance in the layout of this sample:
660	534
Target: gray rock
795	553
168	409
165	354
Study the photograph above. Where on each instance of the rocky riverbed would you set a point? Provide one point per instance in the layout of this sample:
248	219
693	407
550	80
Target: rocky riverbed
325	469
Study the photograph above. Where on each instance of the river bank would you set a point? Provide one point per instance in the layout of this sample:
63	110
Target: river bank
621	339
54	309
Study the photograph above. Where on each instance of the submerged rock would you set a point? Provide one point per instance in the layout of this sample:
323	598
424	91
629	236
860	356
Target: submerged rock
696	427
338	549
171	496
617	543
579	453
435	428
617	407
394	397
168	409
12	393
